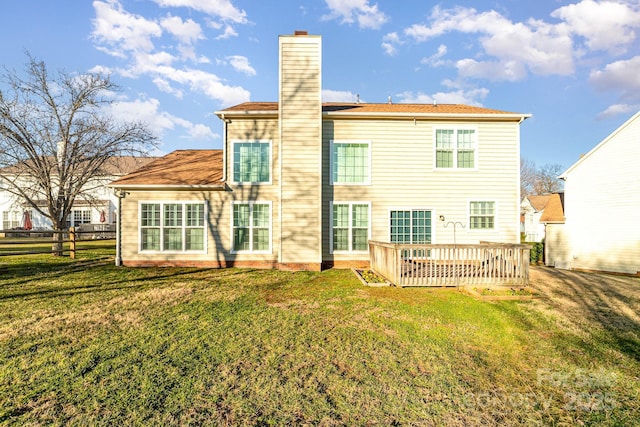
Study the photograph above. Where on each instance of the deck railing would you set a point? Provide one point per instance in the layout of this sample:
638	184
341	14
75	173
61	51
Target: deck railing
451	265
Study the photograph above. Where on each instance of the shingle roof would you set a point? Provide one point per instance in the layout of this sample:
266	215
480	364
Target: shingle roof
539	202
121	165
554	211
333	107
181	168
114	166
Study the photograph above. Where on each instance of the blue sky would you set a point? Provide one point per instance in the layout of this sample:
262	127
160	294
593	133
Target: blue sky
574	65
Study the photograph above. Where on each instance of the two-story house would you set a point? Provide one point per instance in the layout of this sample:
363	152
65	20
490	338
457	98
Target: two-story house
301	184
531	209
96	205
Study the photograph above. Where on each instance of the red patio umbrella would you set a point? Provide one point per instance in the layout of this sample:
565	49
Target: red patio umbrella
26	221
103	216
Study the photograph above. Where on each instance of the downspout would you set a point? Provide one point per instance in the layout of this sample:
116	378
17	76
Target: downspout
120	194
224	147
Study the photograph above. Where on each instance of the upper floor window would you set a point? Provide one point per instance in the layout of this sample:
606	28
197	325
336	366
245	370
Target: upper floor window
482	215
252	161
172	226
350	162
455	148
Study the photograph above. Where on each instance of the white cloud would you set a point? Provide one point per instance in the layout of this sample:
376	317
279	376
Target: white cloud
472	96
130	37
229	31
390	42
340	96
360	11
206	83
435	60
492	70
200	131
159	122
606	25
186	32
618	109
510	50
241	64
166	87
620	76
223	9
121	31
535	45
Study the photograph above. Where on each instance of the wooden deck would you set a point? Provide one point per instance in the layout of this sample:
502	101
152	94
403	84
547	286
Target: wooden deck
451	265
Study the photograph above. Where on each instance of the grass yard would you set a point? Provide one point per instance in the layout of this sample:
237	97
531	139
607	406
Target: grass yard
86	343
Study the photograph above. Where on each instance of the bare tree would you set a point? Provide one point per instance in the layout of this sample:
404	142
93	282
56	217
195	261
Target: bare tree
56	136
528	175
547	179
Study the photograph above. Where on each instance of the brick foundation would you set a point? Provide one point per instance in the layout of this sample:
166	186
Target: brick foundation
269	265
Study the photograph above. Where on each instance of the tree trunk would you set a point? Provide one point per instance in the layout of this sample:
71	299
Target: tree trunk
57	239
56	245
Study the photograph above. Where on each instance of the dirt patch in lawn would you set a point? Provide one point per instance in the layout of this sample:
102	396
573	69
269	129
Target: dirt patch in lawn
584	301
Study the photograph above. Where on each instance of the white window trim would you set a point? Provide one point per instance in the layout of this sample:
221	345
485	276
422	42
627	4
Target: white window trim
350	203
184	227
13	217
455	149
71	218
404	208
331	153
495	216
232	162
250	251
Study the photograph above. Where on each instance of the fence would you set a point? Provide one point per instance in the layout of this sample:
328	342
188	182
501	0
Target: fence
451	265
31	242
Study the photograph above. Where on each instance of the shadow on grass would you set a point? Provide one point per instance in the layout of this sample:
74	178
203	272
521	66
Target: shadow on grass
592	302
107	277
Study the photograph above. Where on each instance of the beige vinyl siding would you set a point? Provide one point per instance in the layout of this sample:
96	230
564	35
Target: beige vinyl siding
557	247
300	130
217	224
602	204
249	129
403	176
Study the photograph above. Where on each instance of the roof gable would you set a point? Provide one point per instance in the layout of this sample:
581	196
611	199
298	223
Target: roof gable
539	202
554	210
611	136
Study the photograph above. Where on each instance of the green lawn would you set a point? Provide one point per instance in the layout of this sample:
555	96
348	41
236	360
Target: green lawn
86	343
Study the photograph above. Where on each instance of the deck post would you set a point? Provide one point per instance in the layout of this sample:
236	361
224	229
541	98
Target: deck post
72	242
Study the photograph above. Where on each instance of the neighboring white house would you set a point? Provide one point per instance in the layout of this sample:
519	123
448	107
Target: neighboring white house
98	207
601	229
531	209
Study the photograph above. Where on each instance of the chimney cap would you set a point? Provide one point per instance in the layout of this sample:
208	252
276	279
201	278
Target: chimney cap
300	33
